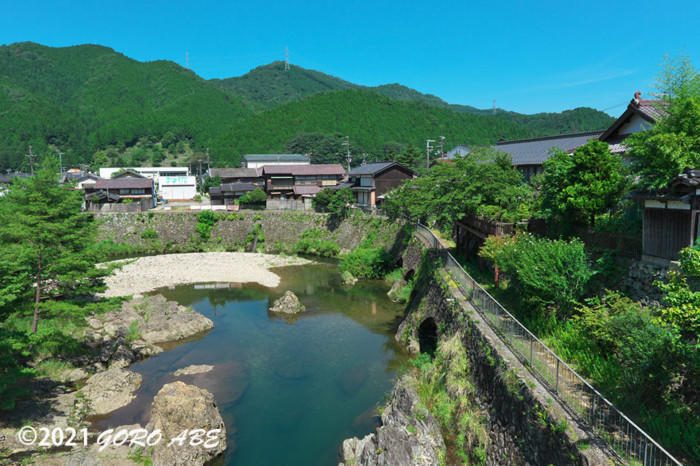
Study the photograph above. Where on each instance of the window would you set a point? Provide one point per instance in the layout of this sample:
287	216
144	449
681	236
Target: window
366	181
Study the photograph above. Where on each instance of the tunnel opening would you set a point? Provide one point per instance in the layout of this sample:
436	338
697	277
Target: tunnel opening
428	336
409	275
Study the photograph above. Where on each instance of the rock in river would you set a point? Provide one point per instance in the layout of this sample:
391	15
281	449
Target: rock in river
409	434
109	390
193	370
288	304
177	407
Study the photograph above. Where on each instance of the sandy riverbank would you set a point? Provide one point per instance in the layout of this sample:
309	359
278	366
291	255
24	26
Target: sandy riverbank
149	273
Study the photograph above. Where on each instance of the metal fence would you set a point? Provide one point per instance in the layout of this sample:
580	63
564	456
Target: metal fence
631	443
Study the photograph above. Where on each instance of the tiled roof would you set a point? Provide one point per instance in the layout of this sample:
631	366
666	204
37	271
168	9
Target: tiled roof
650	110
535	151
275	158
306	190
123	183
232	187
375	168
236	172
304	170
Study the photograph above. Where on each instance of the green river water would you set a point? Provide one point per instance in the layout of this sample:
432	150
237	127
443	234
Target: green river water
289	392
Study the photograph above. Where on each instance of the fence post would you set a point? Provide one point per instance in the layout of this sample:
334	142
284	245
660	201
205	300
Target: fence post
557	383
530	349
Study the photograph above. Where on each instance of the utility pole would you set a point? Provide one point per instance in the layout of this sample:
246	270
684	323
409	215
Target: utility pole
31	156
208	164
427	154
346	143
60	162
442	146
187	60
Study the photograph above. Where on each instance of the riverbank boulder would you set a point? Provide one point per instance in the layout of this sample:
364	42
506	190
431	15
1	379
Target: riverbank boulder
109	390
348	278
288	304
146	321
179	406
409	434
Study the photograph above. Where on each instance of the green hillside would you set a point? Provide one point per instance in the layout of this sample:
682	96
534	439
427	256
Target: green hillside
268	86
83	98
103	108
371	120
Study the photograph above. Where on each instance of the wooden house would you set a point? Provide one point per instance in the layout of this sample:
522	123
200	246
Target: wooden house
671	218
371	181
123	194
293	186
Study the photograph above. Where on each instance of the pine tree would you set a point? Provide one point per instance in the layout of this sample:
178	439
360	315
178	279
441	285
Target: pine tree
49	238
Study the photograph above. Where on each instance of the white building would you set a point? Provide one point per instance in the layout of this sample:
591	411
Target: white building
177	187
172	183
258	160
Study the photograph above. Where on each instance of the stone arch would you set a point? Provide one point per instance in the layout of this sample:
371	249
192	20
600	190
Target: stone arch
428	336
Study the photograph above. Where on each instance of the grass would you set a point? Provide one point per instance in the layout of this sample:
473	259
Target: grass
445	389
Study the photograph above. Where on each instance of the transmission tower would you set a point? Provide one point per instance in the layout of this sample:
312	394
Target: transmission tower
494	106
31	156
187	60
427	153
286	58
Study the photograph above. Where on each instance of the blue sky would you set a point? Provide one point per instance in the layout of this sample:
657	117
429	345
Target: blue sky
530	56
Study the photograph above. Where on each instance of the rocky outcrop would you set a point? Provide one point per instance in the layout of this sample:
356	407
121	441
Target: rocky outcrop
147	321
348	278
408	435
109	390
288	304
395	287
177	407
193	370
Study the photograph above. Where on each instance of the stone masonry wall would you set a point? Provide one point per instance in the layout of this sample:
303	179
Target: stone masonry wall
526	424
177	231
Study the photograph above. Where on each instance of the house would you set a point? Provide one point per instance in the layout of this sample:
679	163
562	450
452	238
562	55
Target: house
173	183
293	186
527	155
79	177
671	218
239	175
227	193
640	115
8	179
370	182
258	160
123	194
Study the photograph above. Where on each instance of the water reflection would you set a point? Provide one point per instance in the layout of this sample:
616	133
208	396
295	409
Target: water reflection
289	392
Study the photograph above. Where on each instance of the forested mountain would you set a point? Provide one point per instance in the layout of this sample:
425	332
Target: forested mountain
103	108
371	120
87	97
268	86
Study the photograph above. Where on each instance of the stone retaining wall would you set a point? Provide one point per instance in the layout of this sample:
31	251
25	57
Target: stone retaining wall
526	423
177	231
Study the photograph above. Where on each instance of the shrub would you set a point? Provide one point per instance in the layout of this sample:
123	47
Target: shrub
313	242
366	262
256	196
205	222
547	272
149	234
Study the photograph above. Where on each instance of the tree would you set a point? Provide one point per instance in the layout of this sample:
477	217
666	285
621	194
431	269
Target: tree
256	196
585	184
50	238
334	201
673	144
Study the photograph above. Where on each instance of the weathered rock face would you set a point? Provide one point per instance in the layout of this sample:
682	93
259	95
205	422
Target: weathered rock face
288	304
177	407
348	278
109	390
409	435
149	320
395	287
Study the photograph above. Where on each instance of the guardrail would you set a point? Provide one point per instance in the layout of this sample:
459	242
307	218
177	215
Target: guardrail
629	441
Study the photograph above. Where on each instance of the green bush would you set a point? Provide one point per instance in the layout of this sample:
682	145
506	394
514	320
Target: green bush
256	196
547	273
205	222
149	234
315	242
366	262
